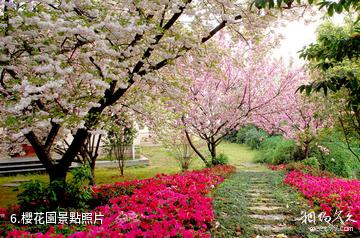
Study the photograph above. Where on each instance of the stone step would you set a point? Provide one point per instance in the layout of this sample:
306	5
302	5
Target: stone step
266	204
22	171
259	195
257	190
11	185
257	187
262	200
272	228
266	208
20	166
272	217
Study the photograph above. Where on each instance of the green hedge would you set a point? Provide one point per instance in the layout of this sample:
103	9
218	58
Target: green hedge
277	150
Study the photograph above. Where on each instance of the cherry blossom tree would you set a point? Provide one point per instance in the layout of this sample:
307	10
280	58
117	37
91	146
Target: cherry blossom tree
301	120
230	89
64	63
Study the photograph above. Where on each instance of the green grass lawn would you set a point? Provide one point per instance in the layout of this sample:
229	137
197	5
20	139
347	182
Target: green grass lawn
160	162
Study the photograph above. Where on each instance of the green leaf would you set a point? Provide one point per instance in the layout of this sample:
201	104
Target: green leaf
338	8
308	89
331	10
271	4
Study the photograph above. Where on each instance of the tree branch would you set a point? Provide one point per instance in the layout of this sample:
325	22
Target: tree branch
51	136
41	153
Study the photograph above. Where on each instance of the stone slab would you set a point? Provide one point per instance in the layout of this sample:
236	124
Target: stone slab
273	217
272	228
12	185
265	208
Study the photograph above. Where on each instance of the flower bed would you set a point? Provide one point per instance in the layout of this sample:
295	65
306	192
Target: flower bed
298	166
164	206
330	194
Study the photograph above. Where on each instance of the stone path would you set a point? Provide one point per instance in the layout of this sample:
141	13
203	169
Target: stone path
267	213
252	204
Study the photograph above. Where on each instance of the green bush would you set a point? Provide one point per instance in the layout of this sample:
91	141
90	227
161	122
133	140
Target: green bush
277	150
78	190
251	136
40	197
312	161
34	197
339	160
241	134
221	159
232	137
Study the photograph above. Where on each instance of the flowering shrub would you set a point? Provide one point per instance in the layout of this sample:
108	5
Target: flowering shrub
306	169
164	206
299	166
330	194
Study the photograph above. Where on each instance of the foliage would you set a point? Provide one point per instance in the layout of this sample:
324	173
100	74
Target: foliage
39	197
329	194
34	197
339	160
167	205
231	137
312	161
79	191
241	133
335	56
221	159
302	119
251	136
277	150
300	166
328	153
331	6
179	148
121	134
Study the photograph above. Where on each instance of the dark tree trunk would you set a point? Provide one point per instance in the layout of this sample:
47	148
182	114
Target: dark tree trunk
122	167
57	177
92	169
212	148
306	149
207	164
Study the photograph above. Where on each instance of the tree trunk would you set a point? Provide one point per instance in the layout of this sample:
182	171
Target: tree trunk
122	167
92	169
306	149
212	148
207	164
57	177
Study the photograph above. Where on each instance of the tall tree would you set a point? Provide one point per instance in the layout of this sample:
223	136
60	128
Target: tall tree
301	119
335	59
227	90
63	63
